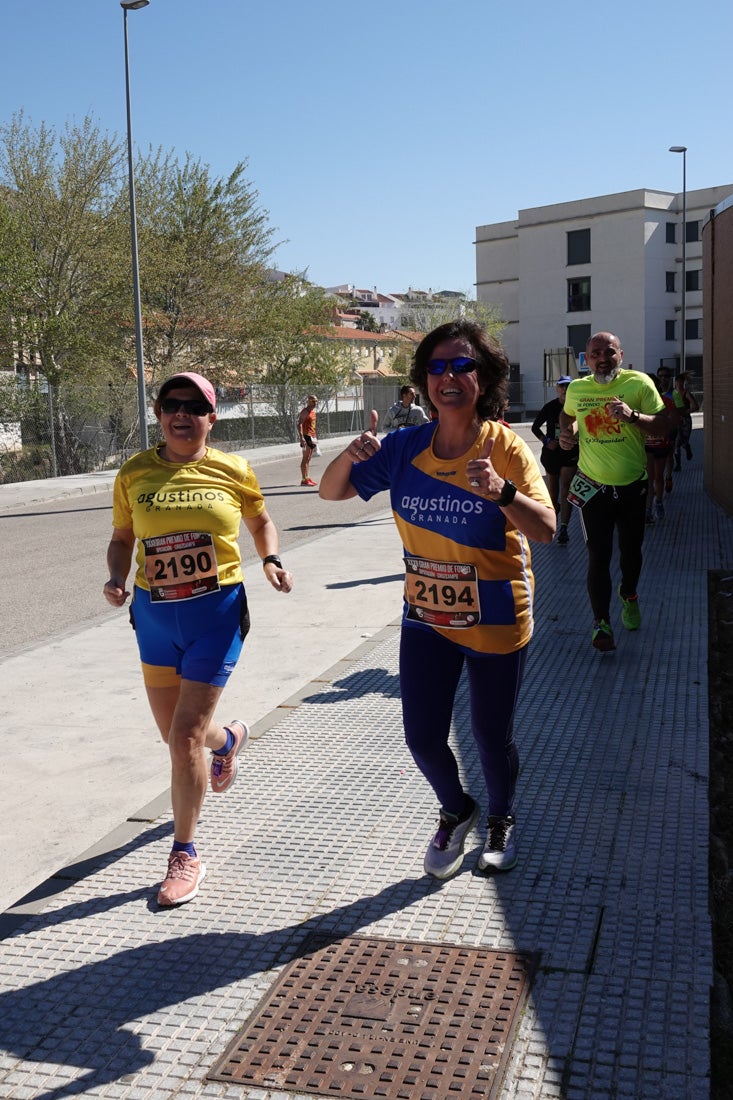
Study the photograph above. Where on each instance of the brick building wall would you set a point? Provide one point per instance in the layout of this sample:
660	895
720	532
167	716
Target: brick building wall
717	238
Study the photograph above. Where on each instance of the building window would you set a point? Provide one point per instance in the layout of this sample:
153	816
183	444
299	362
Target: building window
671	282
693	329
671	232
578	337
578	295
693	280
692	231
669	330
578	246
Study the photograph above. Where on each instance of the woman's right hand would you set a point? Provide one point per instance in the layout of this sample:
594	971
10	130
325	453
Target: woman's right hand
115	594
366	444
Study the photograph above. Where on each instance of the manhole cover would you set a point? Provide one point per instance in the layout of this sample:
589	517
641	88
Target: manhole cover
381	1019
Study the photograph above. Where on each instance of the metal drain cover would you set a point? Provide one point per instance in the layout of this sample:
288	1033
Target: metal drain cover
378	1019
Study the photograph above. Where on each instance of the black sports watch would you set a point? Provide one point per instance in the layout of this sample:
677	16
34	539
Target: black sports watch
507	494
272	559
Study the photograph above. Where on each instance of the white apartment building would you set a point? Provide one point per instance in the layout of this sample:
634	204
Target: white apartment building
560	273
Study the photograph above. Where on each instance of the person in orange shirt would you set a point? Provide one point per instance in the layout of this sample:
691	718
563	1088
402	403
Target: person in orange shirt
308	440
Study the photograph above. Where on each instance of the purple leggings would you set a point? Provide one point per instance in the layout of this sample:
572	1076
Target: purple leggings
430	668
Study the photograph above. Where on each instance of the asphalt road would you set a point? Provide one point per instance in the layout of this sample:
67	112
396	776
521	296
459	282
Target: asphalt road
54	553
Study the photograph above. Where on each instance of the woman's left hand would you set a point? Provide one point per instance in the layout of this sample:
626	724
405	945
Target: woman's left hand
279	578
481	474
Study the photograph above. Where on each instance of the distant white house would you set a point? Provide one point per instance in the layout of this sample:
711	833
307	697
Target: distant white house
385	308
410	309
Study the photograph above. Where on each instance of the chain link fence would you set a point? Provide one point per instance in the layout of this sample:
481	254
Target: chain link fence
52	431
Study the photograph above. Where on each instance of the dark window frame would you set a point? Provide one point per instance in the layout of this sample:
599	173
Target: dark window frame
578	246
693	279
578	294
579	339
692	231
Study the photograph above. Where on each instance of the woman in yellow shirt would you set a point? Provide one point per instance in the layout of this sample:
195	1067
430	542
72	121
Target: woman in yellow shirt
182	503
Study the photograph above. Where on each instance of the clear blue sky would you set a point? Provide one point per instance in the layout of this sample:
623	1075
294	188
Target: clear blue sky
379	136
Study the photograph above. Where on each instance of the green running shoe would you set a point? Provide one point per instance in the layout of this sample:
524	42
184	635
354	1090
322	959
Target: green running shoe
602	636
630	614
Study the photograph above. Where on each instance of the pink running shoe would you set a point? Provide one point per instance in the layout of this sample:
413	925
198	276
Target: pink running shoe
181	883
224	768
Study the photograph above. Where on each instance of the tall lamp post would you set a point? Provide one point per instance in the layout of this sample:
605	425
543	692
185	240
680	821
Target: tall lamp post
683	340
133	5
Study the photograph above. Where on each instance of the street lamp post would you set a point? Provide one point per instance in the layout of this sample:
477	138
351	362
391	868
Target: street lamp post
683	339
133	5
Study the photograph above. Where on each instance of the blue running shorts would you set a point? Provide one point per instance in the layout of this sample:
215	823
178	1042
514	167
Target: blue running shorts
199	639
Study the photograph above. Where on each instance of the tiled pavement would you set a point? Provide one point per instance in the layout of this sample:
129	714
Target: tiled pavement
102	994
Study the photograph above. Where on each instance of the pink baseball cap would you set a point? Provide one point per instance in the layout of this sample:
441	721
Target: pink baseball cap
188	378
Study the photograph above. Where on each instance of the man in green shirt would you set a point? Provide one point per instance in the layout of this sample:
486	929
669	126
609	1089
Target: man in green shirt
607	414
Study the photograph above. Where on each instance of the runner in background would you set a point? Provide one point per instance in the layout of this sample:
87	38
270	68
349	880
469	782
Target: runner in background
559	465
658	453
404	413
308	439
608	414
686	403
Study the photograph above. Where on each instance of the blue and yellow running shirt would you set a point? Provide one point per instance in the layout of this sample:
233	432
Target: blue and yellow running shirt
612	452
201	503
468	570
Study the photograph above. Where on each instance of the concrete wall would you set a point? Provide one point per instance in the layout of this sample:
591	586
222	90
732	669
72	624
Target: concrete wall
717	250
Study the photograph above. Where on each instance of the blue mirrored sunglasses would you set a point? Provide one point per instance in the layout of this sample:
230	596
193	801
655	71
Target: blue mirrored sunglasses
462	364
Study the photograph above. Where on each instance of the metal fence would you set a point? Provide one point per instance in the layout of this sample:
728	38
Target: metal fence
52	431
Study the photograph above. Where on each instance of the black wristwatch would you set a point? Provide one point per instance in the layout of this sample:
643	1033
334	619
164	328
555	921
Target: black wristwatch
272	559
508	494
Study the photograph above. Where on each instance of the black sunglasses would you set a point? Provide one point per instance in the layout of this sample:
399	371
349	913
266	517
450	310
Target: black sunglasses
195	407
462	364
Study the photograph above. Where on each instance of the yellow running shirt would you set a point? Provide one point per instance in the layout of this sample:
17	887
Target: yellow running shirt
154	497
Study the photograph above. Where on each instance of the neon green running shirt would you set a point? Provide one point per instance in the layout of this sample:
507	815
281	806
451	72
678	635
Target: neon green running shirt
611	451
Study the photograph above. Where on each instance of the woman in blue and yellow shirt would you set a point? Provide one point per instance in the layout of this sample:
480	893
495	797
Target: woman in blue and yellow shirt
466	495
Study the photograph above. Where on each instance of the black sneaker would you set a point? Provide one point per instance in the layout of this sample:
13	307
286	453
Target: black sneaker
500	849
445	851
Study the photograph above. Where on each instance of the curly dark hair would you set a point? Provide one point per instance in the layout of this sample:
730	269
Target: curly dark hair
492	369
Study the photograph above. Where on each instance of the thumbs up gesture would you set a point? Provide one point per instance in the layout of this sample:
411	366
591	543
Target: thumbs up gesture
481	474
366	444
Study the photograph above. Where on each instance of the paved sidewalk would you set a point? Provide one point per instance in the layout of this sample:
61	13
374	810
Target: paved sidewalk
324	832
95	755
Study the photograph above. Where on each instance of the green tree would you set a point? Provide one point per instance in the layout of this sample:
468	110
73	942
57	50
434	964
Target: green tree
62	285
204	246
63	280
292	356
367	321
